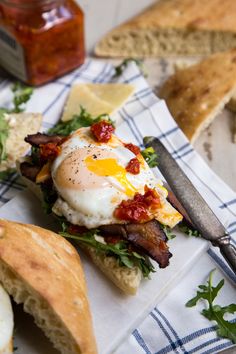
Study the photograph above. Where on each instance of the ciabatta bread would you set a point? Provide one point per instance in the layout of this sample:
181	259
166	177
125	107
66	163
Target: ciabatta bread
195	95
43	271
174	27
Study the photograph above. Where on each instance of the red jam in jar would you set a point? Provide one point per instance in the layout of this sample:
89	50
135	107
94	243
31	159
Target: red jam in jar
40	40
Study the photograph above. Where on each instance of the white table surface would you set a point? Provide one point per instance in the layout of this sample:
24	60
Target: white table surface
215	144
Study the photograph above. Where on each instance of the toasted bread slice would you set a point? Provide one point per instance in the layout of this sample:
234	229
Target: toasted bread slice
21	124
195	95
43	271
174	27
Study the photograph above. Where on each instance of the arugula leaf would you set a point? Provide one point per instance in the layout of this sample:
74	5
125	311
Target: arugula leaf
84	119
49	197
121	67
5	174
168	231
22	94
214	312
4	132
119	250
188	230
150	157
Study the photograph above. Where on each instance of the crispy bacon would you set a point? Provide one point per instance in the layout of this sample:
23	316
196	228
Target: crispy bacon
148	237
29	171
40	139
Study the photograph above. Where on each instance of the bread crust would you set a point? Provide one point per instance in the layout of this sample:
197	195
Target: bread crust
43	270
204	15
195	95
173	27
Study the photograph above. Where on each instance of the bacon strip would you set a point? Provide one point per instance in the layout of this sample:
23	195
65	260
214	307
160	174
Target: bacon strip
40	139
29	171
148	237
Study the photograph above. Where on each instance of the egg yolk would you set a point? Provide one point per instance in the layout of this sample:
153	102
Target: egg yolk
110	168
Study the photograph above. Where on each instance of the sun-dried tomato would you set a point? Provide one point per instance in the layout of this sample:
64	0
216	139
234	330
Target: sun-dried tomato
134	148
139	208
133	166
49	151
131	210
151	198
102	131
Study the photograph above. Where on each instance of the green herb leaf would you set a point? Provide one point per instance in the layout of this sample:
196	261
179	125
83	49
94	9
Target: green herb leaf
84	119
214	312
4	132
188	230
35	155
168	231
5	174
121	67
49	197
150	157
118	250
22	95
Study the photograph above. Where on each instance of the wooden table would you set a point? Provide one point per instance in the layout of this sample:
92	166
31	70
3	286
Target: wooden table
215	144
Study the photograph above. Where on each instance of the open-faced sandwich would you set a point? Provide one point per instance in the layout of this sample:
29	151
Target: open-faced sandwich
106	198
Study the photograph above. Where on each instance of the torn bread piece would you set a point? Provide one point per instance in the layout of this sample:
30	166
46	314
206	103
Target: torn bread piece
196	95
43	271
20	124
174	27
96	98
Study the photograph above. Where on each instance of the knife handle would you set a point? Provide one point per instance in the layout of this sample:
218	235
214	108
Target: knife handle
227	250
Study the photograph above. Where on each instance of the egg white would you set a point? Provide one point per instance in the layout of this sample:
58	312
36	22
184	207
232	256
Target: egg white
88	199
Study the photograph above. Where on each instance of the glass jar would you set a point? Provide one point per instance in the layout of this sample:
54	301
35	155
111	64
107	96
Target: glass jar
40	40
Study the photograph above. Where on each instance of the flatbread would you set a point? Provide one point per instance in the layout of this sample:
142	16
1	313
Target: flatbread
195	95
174	27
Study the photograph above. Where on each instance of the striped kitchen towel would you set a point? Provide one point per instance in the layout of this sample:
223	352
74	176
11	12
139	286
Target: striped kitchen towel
170	327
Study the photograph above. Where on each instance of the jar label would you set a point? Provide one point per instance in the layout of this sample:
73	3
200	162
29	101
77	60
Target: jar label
12	55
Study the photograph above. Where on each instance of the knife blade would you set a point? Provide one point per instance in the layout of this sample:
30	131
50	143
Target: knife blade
202	217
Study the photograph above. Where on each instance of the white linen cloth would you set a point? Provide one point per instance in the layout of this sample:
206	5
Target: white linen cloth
170	327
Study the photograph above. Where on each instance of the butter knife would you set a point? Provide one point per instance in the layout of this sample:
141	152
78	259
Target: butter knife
202	217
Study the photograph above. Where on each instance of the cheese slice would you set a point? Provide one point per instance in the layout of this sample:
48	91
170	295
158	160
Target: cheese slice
6	323
96	98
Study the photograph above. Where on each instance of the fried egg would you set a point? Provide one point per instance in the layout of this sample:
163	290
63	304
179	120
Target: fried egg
6	322
91	181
